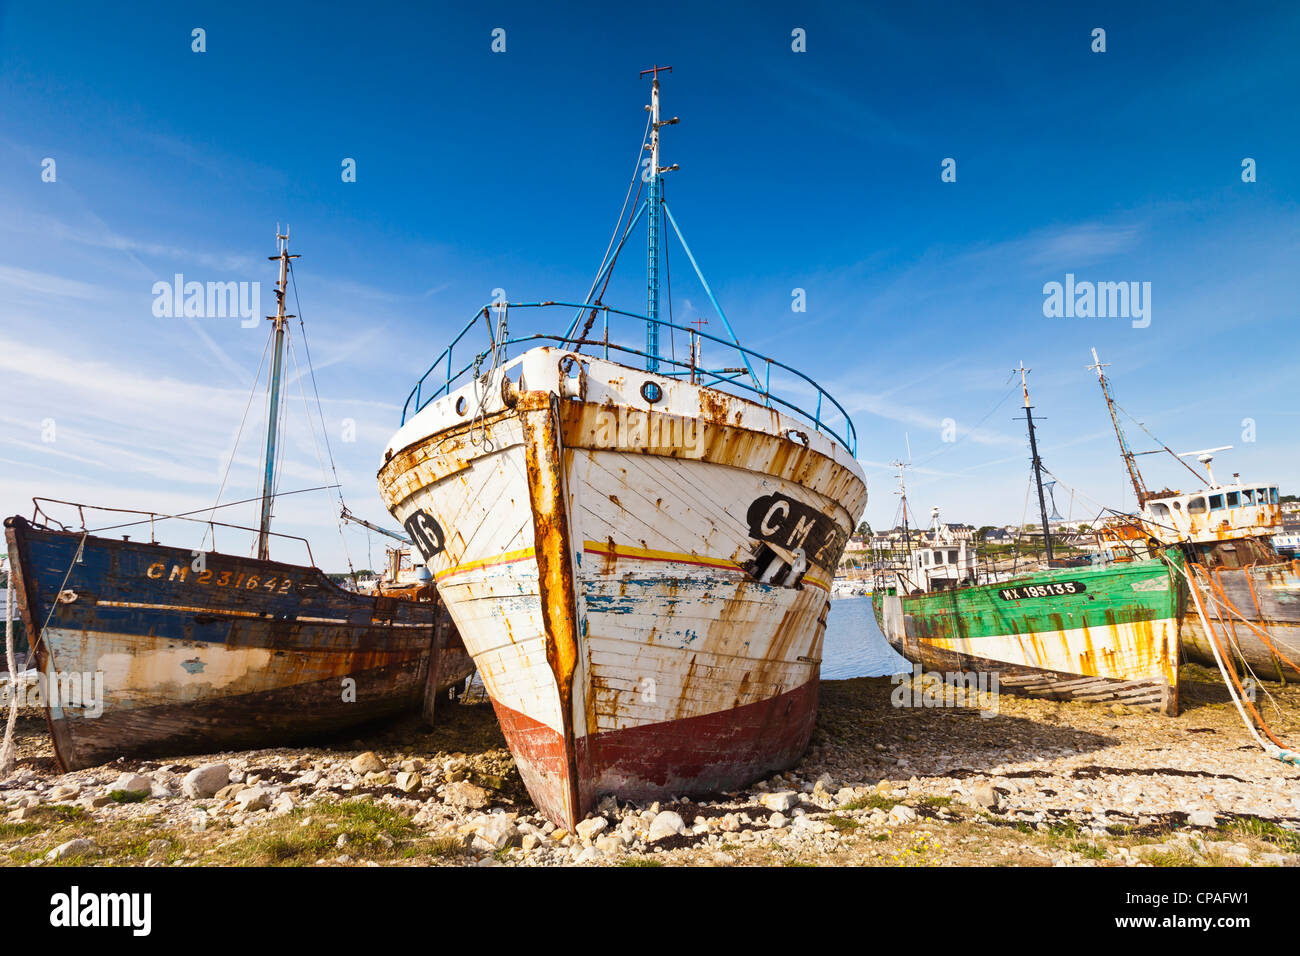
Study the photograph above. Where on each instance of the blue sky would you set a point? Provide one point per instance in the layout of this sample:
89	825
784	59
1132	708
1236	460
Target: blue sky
817	170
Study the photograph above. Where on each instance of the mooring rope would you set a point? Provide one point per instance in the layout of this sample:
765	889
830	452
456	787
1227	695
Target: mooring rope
7	748
1235	690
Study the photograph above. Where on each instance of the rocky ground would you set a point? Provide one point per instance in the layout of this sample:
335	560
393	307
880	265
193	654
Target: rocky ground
1040	783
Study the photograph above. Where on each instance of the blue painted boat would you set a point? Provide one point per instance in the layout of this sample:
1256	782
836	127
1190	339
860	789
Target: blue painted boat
140	653
145	649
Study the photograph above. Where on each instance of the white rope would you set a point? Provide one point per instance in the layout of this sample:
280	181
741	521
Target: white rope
7	749
1268	747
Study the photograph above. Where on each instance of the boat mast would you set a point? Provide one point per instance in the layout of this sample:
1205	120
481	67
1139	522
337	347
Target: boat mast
1135	476
1038	464
273	403
654	207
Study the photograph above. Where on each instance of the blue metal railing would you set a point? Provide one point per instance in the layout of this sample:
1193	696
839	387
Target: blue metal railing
745	379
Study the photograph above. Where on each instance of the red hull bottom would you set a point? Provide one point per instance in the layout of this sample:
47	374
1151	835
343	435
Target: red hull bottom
694	756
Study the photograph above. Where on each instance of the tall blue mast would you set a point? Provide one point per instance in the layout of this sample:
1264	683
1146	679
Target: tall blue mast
654	205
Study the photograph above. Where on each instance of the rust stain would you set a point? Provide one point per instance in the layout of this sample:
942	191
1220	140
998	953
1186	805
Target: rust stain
546	487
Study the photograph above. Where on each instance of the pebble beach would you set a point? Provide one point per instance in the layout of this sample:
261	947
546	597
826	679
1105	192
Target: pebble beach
1039	783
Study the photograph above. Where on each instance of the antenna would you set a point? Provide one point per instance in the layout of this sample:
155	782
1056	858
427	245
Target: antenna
1205	456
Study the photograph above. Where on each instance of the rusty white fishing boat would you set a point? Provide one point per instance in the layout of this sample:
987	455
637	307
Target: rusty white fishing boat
1248	593
147	649
638	549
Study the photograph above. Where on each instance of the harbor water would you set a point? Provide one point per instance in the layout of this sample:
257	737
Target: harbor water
854	646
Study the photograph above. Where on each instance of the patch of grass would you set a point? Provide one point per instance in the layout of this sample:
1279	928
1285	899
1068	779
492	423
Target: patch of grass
443	846
128	796
1069	828
1171	858
843	824
1268	831
880	837
793	862
10	831
873	802
936	802
58	813
639	861
374	831
1089	851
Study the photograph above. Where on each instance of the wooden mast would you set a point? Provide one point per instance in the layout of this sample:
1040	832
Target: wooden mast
1134	475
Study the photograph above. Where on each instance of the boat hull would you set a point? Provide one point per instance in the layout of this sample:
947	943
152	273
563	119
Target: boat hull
609	589
179	652
1097	634
1255	607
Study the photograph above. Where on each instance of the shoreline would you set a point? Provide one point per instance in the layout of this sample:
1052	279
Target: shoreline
1039	783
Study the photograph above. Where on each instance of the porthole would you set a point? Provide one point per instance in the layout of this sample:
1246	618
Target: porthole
461	405
651	392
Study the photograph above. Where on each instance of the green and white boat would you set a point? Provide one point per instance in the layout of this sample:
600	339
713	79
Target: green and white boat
1104	632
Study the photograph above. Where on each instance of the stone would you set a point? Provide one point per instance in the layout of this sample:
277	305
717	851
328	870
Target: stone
530	842
610	845
777	821
414	765
462	793
282	804
589	828
78	847
229	791
379	778
902	814
783	801
252	798
496	831
134	783
589	855
203	782
62	792
408	781
456	768
1201	818
367	762
665	824
983	795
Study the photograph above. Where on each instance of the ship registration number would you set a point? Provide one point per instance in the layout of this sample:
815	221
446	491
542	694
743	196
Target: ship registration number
221	579
1042	590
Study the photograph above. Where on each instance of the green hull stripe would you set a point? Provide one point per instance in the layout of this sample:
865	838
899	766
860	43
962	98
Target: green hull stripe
1118	594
